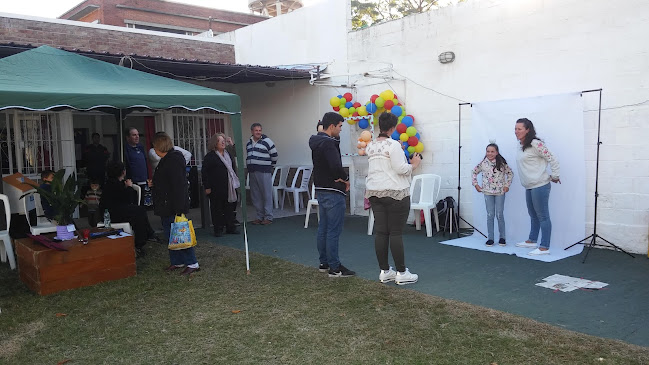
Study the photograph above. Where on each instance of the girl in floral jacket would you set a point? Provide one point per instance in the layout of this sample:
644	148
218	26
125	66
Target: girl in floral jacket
496	179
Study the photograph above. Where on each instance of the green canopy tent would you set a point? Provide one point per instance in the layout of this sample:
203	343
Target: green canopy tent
47	78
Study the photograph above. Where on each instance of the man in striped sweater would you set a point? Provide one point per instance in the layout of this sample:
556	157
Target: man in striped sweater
261	157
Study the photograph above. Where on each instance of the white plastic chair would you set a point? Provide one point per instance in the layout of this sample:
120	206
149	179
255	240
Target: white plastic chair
281	184
296	189
313	202
426	200
6	250
43	225
125	226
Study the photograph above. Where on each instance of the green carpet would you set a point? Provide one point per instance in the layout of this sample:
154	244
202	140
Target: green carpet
502	282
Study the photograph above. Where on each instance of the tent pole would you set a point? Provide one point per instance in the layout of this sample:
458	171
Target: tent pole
121	138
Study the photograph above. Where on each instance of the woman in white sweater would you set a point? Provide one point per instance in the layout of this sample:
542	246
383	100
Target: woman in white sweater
532	160
388	189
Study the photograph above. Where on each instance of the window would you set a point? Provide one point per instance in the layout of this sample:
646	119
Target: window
192	131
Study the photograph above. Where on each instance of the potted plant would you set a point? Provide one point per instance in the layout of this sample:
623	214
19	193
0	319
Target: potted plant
64	199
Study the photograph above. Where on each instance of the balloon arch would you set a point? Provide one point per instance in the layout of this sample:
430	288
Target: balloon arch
363	115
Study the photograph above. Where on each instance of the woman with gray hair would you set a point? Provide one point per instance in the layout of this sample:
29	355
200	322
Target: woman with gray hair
221	182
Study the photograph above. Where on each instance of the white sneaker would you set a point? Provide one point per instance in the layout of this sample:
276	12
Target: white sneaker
387	276
406	277
538	252
527	244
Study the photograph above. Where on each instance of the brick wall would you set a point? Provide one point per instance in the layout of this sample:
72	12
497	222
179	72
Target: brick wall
113	15
100	38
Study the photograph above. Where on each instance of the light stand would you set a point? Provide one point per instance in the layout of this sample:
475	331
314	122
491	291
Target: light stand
593	237
459	168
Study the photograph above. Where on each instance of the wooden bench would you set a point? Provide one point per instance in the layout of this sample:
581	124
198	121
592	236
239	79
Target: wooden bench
46	271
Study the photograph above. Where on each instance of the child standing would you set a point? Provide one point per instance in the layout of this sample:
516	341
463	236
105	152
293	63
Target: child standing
92	198
496	178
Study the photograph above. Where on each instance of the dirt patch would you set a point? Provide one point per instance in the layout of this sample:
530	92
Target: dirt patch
12	345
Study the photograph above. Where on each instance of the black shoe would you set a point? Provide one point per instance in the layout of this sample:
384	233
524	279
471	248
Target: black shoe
502	242
342	272
489	243
323	268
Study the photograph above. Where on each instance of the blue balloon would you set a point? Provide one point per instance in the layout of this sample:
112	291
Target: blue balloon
396	135
417	135
407	154
363	123
405	144
371	108
349	104
396	110
407	121
339	96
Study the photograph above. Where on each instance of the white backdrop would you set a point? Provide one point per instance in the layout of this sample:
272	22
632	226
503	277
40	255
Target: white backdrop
558	120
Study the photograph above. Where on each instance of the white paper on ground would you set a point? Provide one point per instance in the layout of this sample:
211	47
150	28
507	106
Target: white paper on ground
568	283
477	242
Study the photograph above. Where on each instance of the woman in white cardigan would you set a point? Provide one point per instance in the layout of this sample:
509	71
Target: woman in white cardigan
388	190
532	160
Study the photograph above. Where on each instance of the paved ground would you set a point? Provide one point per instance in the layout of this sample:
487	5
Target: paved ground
502	282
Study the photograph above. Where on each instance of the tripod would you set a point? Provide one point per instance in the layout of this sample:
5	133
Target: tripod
591	241
459	167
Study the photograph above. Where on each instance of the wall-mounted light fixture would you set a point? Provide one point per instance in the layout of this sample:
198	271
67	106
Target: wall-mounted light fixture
446	57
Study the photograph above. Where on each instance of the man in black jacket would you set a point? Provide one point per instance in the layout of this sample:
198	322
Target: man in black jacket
331	185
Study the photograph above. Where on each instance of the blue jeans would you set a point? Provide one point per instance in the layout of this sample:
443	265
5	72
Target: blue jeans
177	257
495	207
539	211
332	214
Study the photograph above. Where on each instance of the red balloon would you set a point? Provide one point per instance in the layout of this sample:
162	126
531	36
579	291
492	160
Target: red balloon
337	108
395	96
357	104
388	104
401	128
348	96
373	97
412	141
355	114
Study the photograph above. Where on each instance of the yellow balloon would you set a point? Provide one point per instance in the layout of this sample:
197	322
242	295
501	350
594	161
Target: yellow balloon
387	95
403	137
366	136
344	112
362	110
419	148
334	101
351	121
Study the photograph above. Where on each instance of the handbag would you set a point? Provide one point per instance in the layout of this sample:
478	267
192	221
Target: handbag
182	234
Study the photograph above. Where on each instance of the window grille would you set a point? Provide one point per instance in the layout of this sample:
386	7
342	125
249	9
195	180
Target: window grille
192	130
30	143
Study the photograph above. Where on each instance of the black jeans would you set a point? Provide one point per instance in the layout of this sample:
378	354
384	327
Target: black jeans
390	217
223	214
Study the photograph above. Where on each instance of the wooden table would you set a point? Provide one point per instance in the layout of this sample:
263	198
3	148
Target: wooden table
46	271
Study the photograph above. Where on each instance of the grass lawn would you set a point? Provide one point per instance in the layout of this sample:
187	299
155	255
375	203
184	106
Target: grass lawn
282	313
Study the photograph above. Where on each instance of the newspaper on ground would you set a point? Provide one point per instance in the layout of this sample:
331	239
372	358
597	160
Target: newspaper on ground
568	283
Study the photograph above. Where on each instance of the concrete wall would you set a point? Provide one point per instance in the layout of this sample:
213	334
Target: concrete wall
106	38
511	49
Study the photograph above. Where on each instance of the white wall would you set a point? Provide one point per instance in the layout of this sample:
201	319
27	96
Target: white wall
511	49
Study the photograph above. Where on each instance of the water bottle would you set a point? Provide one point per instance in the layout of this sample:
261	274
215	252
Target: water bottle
106	219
